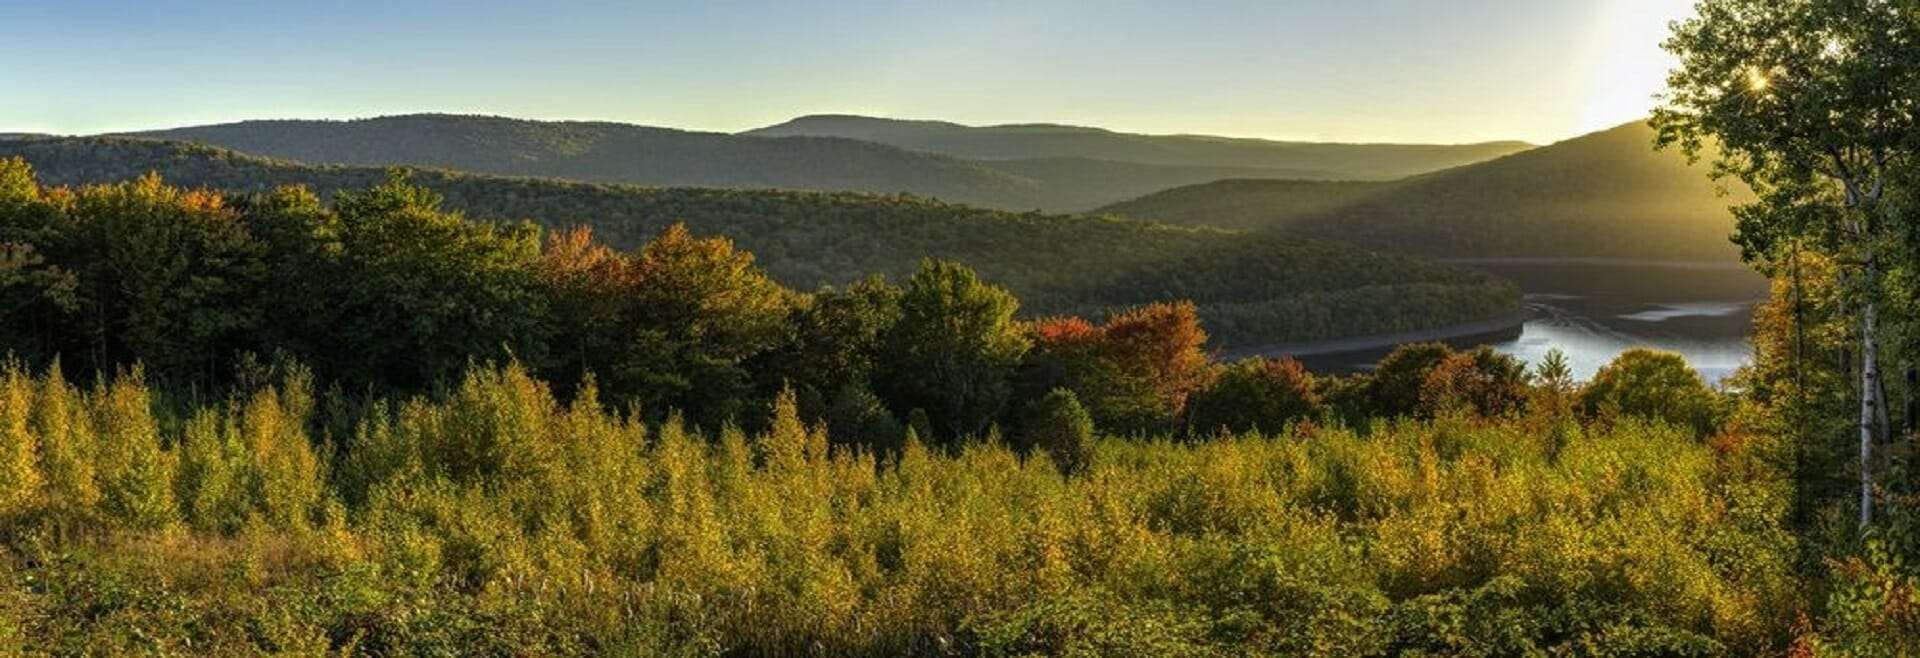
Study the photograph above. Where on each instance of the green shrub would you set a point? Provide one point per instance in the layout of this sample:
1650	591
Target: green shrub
1059	425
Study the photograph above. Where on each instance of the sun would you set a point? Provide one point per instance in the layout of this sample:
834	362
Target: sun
1622	64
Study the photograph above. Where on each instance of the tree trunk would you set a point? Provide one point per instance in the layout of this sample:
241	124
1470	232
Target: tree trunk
1869	390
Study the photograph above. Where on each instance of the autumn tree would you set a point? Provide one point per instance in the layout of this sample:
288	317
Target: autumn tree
671	325
1400	379
1481	380
1134	373
1811	103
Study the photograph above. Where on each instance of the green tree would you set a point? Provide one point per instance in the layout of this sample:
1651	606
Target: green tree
1400	379
700	310
136	473
1256	394
1555	385
837	336
167	278
421	292
1811	104
20	476
1652	384
954	350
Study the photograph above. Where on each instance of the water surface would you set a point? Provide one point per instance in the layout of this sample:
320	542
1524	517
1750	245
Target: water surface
1593	311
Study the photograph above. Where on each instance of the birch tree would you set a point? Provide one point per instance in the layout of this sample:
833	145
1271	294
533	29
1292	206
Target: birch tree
1811	103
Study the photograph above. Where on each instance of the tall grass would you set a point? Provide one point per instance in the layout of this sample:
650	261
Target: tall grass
494	520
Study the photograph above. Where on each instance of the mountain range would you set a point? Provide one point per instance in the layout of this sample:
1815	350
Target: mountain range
1095	168
1042	140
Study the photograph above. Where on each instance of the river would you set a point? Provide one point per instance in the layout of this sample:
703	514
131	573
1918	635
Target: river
1593	310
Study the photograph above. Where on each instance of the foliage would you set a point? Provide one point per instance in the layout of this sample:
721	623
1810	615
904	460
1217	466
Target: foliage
953	351
1652	384
1059	425
1399	381
1482	381
1257	394
1250	289
494	519
1134	373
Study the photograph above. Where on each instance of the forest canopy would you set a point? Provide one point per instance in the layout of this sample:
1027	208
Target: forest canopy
1251	289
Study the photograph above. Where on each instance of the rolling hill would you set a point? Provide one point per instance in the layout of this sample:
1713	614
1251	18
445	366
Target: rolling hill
622	153
1251	288
1026	141
1603	195
615	153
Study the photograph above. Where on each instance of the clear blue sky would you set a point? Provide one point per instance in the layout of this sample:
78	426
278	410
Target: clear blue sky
1348	70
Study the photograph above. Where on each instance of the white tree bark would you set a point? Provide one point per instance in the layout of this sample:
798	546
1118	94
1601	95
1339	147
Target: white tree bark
1869	393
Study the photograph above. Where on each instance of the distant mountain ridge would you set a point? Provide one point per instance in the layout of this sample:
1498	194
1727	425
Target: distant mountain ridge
609	152
1607	195
1045	140
1053	179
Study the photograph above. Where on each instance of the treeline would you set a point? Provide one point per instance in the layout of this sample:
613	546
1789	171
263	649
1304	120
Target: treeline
1252	290
382	292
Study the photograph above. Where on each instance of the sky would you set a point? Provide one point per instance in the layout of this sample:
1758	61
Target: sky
1431	71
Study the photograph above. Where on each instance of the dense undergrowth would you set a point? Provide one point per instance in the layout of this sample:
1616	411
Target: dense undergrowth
495	520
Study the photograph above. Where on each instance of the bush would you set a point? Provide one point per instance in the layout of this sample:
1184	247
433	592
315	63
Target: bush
1059	425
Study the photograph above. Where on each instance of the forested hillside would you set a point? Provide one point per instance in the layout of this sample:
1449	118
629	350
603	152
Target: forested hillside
623	153
1608	194
1250	289
1249	204
1079	184
1022	141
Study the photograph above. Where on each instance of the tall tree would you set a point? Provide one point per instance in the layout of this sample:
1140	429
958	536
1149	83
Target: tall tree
954	349
165	277
423	291
1812	104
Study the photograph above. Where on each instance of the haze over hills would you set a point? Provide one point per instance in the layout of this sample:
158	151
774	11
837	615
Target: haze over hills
1607	194
1021	141
614	153
1251	289
1026	168
624	153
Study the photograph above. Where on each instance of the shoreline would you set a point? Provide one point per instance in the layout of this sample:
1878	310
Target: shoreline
1511	321
1596	261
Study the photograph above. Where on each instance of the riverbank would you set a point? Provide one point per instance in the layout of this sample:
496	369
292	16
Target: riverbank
1583	261
1501	326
